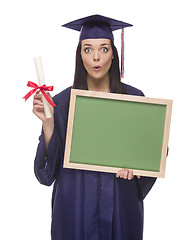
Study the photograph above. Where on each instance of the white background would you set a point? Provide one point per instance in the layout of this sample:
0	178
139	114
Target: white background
156	61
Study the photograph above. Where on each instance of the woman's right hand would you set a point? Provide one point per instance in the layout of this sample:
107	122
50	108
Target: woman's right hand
38	108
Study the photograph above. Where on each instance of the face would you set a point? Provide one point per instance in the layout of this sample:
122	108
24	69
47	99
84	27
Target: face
97	57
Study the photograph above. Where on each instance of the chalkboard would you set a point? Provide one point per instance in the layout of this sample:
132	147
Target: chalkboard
107	132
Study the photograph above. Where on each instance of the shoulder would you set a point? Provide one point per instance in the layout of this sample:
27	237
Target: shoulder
132	90
62	97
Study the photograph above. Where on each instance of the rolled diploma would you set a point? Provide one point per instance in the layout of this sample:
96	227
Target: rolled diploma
41	80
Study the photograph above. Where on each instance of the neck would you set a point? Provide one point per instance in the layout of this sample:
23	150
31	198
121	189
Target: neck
100	85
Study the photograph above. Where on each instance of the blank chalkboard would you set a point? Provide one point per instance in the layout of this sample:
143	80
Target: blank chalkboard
107	132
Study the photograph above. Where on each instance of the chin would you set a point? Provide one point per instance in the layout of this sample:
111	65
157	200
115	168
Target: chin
98	76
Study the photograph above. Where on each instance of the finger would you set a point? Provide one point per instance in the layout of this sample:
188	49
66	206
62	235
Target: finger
38	108
126	172
37	95
119	173
123	173
37	102
138	177
130	175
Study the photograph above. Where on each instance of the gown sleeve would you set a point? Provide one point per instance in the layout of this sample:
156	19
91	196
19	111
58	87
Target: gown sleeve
144	184
46	163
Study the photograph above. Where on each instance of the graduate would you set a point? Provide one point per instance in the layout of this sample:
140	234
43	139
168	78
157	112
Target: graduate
89	205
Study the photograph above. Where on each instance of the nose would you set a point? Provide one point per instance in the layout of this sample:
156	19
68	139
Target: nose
96	56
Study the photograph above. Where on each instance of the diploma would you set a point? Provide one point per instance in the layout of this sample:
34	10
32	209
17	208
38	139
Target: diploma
41	80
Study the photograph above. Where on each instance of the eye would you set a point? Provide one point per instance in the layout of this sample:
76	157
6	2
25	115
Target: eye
104	49
87	50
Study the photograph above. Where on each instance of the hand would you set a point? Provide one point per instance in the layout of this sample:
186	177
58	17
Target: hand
126	174
38	108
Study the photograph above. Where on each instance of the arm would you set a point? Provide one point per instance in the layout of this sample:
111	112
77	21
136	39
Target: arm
48	123
48	151
144	184
48	128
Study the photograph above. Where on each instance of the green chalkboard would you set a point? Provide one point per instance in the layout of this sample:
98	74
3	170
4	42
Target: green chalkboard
117	133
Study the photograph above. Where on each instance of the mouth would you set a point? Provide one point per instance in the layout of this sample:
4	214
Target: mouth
97	68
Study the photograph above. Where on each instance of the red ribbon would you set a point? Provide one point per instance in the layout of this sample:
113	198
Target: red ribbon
122	52
42	89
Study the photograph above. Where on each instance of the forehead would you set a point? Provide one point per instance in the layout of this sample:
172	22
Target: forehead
95	42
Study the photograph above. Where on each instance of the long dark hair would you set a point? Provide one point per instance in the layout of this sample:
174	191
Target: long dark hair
80	79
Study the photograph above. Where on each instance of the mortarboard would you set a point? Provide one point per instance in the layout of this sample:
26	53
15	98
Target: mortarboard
98	26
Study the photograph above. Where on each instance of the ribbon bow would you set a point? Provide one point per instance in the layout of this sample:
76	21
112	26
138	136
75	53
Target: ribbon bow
42	89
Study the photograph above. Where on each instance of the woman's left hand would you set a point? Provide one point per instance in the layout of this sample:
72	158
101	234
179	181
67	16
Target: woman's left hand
126	174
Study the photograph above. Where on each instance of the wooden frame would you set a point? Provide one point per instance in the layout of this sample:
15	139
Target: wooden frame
162	105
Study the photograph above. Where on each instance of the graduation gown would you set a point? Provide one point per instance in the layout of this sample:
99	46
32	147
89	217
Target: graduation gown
88	205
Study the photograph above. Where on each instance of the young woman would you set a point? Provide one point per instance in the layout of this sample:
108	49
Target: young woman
89	205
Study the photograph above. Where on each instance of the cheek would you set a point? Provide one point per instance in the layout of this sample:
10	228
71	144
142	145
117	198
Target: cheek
108	58
86	61
108	62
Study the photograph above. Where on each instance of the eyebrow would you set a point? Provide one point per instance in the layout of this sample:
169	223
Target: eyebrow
104	44
89	45
86	44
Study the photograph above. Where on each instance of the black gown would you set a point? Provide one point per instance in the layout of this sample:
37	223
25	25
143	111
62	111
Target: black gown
88	205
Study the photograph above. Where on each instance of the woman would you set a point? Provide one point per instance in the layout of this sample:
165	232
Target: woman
89	205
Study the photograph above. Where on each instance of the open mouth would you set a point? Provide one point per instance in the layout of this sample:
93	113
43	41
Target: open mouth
97	68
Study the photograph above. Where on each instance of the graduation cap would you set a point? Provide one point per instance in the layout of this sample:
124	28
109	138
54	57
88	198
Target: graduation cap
98	26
